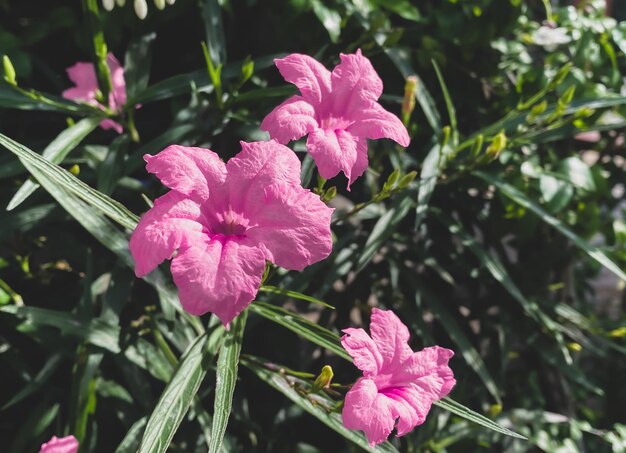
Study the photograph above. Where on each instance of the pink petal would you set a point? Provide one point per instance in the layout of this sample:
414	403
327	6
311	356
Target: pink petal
308	74
110	124
429	370
190	171
67	444
219	276
335	151
292	227
367	410
409	406
257	166
84	77
354	83
375	122
117	98
291	120
391	337
173	222
363	350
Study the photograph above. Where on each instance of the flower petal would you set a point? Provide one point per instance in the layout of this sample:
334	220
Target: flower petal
391	337
292	226
357	146
190	171
218	276
291	120
354	83
257	166
117	98
67	444
326	149
173	221
363	350
308	74
409	406
375	122
110	124
367	410
84	77
429	370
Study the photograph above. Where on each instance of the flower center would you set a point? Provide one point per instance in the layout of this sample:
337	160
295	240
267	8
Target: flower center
230	224
334	123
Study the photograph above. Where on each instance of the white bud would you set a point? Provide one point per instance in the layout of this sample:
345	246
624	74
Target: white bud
160	4
170	2
108	4
121	3
141	9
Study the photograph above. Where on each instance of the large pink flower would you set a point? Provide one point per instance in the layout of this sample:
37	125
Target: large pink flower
83	74
397	383
338	110
225	220
67	444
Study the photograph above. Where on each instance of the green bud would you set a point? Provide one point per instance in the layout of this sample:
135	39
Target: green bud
329	194
497	145
407	179
560	76
408	102
247	69
446	136
393	177
584	112
160	4
9	71
120	3
477	146
567	96
323	380
538	109
74	169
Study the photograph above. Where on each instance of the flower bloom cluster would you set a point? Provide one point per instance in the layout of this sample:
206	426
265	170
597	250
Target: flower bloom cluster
83	74
221	222
67	444
397	383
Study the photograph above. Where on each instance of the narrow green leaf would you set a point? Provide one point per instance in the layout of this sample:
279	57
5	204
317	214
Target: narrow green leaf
55	152
227	366
216	42
469	353
449	104
384	228
523	200
452	406
137	64
315	404
37	382
63	178
428	180
294	294
330	19
301	326
133	437
175	399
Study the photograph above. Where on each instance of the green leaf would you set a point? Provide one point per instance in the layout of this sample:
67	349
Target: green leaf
55	152
469	353
175	399
133	437
226	373
449	104
330	19
384	228
521	199
216	43
403	8
294	294
137	65
315	404
557	194
578	172
37	382
452	406
56	175
428	180
301	326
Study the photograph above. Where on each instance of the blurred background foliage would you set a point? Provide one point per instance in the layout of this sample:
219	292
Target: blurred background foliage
509	246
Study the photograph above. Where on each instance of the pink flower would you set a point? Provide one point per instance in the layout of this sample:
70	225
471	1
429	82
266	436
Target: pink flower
83	74
397	383
338	110
225	220
67	444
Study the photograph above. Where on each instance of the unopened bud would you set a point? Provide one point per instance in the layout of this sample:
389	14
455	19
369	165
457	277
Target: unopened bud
141	9
538	109
567	97
9	71
496	147
329	194
560	76
160	4
576	347
408	102
477	146
120	3
407	179
247	69
75	170
391	180
170	2
446	136
108	4
323	380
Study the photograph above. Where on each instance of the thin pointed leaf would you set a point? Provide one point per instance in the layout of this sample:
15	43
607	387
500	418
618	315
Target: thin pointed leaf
55	152
523	200
449	104
294	294
227	367
428	180
133	437
175	399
